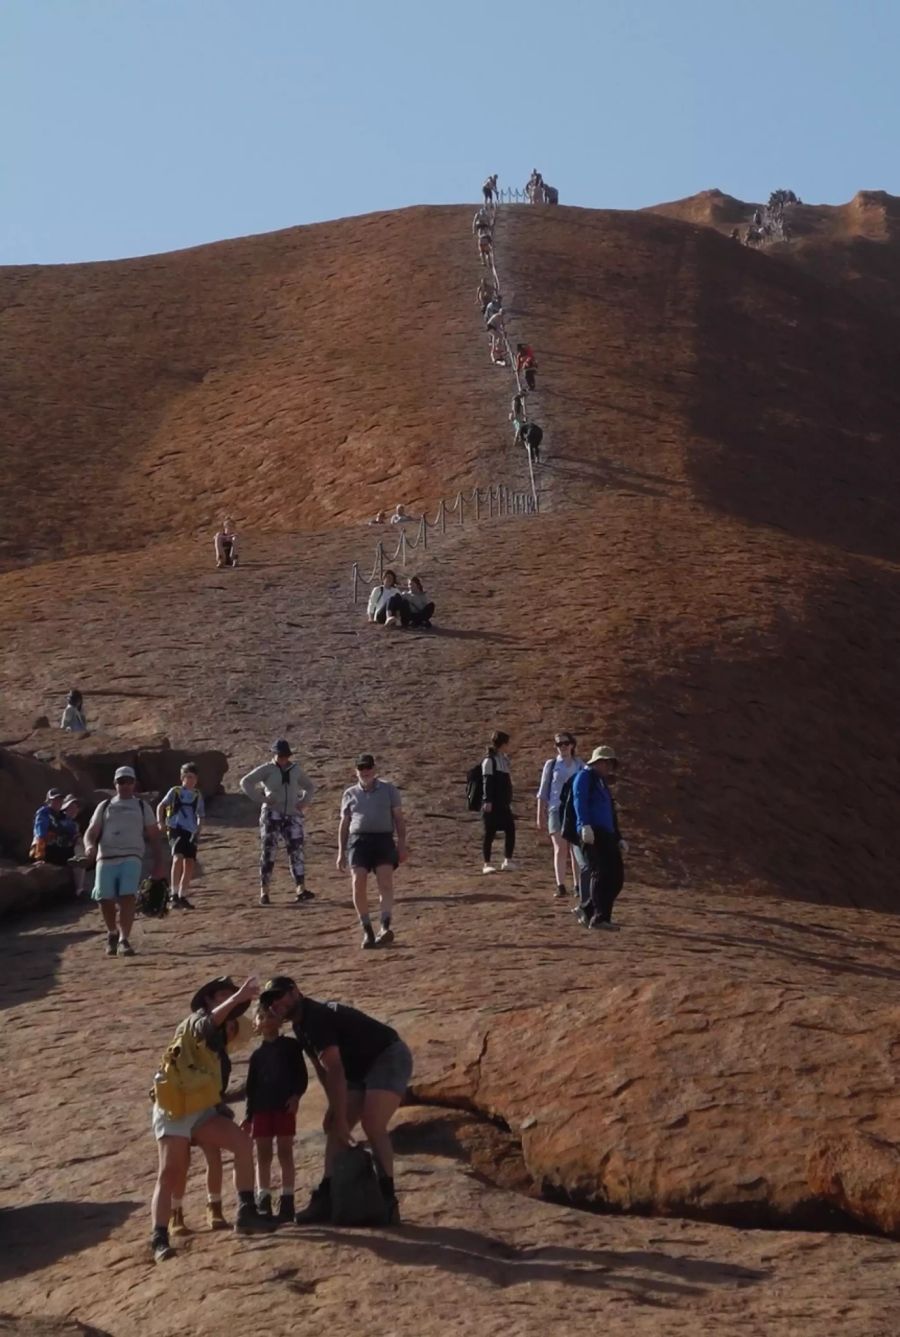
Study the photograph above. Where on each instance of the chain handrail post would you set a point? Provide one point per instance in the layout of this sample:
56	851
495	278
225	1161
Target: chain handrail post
354	575
380	562
462	508
424	532
442	516
477	504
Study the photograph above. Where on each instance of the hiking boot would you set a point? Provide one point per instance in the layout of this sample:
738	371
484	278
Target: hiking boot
176	1222
182	903
488	868
507	865
125	947
112	944
286	1210
317	1210
304	895
369	939
264	1205
249	1221
385	937
159	1243
560	891
214	1218
264	898
393	1212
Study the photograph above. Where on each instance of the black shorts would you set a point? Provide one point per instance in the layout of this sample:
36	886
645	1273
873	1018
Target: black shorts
183	844
371	850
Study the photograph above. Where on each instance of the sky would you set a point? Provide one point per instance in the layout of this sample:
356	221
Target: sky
137	126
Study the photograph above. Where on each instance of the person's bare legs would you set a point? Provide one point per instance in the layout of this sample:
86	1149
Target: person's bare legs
263	1147
174	1159
108	911
384	876
560	858
359	878
177	873
379	1107
285	1147
126	915
187	874
224	1135
332	1146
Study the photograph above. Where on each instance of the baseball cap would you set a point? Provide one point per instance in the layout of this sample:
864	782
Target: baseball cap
70	798
274	988
125	773
282	748
365	761
53	793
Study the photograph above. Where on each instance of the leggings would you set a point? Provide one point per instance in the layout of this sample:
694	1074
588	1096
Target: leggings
275	826
498	819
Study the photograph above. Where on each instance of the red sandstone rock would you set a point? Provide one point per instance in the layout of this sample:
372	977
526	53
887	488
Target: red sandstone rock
860	1175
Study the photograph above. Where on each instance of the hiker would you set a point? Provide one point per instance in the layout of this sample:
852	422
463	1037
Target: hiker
598	832
118	833
380	518
486	250
380	598
496	807
73	716
557	770
401	516
364	1068
276	1081
371	816
493	317
413	607
534	186
489	189
526	364
517	411
286	793
550	194
70	835
481	223
180	815
531	436
485	293
225	543
498	348
48	838
187	1092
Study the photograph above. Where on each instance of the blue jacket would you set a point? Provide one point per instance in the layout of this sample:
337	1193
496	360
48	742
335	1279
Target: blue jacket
593	802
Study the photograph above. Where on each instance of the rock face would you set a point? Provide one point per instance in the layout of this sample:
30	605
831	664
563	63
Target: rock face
24	782
676	1098
860	1175
33	887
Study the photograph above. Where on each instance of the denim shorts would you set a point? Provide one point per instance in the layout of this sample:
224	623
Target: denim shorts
554	825
165	1126
391	1071
115	878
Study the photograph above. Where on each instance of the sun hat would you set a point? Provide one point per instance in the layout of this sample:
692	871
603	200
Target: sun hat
365	762
125	773
275	988
602	753
282	748
200	998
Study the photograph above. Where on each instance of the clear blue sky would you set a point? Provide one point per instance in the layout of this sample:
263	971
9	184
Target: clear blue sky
134	126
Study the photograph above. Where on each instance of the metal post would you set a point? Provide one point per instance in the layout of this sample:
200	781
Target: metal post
461	501
355	579
425	532
380	563
477	497
442	517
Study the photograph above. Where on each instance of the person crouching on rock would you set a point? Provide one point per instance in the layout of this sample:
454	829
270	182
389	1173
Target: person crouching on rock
186	1094
276	1081
225	543
364	1068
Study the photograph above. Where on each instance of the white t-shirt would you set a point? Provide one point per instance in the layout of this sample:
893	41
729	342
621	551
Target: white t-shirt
122	827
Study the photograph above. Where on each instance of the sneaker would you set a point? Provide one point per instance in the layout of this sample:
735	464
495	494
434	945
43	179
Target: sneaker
385	937
286	1209
507	865
317	1210
264	1205
214	1217
162	1249
264	898
249	1221
125	947
488	868
176	1222
112	944
303	894
584	919
560	891
369	939
183	903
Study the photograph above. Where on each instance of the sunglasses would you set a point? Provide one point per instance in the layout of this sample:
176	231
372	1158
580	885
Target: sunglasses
564	742
126	780
364	770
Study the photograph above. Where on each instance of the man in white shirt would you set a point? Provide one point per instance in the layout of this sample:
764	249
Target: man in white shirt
118	834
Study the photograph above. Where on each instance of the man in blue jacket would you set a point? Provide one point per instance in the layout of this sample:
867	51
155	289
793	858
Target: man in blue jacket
598	834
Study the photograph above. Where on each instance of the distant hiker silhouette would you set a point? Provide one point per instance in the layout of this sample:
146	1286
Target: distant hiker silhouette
526	364
489	188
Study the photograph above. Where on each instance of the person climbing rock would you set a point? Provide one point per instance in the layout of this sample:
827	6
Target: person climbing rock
526	365
486	250
598	832
225	543
371	818
485	293
489	189
364	1068
286	791
531	436
118	833
73	717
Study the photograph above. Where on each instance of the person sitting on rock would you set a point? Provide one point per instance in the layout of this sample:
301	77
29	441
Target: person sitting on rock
379	518
73	716
50	839
380	598
226	545
401	516
412	607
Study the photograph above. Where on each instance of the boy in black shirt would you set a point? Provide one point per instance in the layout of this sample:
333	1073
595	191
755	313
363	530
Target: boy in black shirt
276	1079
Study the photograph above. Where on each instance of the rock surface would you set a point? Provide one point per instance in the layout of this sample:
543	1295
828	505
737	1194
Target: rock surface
33	887
859	1175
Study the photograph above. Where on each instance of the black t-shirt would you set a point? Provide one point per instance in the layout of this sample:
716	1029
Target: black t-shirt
359	1038
276	1072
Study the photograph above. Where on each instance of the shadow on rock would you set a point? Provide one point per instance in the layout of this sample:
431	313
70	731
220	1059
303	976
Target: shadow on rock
33	1237
30	956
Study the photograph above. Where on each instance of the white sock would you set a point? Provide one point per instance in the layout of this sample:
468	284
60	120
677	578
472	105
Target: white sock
214	1202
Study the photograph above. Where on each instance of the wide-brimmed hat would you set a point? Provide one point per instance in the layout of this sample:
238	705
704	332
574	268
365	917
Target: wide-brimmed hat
602	753
274	988
199	1000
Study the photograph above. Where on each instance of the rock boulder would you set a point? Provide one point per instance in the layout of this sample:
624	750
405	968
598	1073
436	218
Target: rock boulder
33	887
860	1176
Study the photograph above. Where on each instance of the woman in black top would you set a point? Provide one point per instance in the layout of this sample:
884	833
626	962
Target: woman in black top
496	805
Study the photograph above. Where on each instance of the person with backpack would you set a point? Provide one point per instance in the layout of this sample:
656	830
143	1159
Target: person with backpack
486	293
286	791
531	436
118	834
371	814
598	832
73	716
378	609
526	365
557	771
276	1081
364	1068
186	1096
180	815
226	545
496	803
48	833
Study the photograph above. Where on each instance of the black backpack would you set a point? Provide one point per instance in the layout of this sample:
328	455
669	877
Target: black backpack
475	787
567	821
356	1196
535	435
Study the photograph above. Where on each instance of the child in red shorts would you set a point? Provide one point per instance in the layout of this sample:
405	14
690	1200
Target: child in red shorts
276	1079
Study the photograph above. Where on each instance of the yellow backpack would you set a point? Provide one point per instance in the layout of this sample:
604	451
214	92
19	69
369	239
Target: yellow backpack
190	1076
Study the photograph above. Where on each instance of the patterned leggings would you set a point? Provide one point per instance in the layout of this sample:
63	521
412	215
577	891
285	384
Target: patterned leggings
275	826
